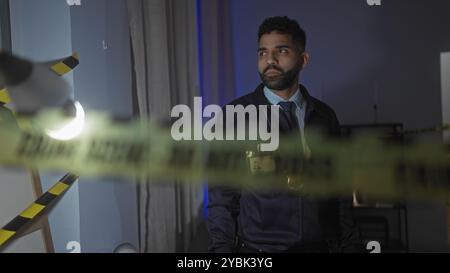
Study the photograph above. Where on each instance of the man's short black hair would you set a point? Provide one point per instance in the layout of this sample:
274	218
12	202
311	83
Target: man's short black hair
284	25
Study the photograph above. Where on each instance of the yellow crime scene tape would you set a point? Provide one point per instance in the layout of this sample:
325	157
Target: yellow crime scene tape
145	150
6	115
35	211
4	97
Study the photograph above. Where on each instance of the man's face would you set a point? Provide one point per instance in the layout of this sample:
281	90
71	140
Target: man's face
279	61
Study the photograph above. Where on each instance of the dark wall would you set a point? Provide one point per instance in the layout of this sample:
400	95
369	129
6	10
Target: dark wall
356	48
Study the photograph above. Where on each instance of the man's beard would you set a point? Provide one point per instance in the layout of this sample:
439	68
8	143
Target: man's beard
282	81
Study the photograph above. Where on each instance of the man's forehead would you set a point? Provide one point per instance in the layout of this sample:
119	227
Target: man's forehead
275	39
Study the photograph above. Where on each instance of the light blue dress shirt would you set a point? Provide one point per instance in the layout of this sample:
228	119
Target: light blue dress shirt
300	111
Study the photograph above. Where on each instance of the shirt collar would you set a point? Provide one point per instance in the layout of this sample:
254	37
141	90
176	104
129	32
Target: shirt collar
274	99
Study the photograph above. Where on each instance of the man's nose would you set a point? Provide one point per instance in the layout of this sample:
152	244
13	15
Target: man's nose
271	59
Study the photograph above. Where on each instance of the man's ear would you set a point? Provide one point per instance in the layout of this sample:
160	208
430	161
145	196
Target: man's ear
303	59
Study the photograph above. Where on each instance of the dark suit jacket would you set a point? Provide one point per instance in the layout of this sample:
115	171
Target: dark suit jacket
282	221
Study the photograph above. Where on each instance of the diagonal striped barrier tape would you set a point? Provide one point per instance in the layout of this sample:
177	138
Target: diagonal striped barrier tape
35	211
66	65
60	67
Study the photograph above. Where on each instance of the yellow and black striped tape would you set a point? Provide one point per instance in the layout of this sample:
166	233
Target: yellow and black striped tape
32	214
66	65
60	68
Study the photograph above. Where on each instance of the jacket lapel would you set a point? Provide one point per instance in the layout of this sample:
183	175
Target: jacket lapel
260	99
309	104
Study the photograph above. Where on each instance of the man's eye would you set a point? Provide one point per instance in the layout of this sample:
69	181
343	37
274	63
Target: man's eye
262	53
283	50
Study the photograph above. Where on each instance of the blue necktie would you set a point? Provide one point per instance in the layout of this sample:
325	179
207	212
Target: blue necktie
288	111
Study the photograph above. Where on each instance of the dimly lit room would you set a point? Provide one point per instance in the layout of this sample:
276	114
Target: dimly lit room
224	126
